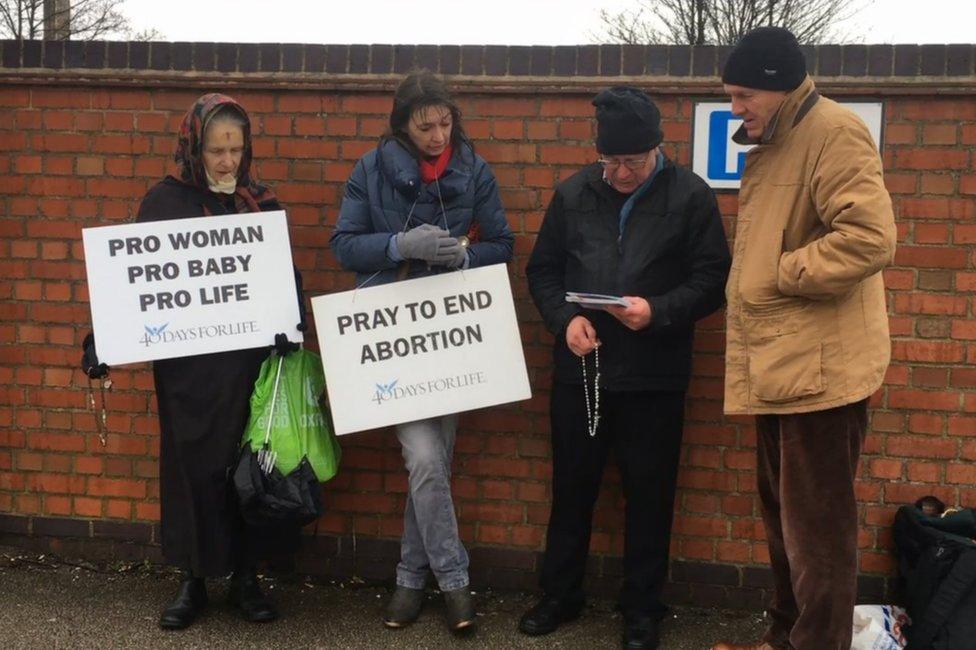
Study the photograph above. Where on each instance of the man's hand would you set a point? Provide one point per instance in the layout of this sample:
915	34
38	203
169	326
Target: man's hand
636	316
580	336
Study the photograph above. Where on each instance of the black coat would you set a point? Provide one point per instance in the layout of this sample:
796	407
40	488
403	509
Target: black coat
204	404
672	252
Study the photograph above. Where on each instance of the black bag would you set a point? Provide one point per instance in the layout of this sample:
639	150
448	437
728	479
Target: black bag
937	565
275	498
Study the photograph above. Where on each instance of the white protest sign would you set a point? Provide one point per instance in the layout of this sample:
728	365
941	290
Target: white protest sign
175	288
420	348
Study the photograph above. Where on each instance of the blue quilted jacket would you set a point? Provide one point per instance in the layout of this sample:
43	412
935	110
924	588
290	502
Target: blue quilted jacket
385	188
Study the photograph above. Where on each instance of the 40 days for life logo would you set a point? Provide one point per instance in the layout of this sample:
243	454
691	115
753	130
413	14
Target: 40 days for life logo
156	334
394	391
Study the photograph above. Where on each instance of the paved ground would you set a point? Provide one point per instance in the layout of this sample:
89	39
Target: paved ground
47	603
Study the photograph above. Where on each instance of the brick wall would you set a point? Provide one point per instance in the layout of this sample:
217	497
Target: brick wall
86	128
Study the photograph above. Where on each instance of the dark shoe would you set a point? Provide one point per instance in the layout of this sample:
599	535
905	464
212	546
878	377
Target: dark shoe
191	598
641	633
548	614
404	607
460	609
245	594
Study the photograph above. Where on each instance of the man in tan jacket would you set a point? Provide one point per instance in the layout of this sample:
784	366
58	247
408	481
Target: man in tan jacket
807	330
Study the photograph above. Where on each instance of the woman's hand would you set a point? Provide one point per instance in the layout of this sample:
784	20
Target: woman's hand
581	336
428	243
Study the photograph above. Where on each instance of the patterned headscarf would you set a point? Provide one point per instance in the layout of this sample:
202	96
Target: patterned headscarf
189	150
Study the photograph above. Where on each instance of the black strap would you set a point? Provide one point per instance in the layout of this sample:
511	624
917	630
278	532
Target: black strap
954	587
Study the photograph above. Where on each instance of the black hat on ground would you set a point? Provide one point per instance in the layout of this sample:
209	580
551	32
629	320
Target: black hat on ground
627	121
766	58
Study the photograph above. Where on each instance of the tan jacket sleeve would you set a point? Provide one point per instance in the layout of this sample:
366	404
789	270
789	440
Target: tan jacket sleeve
847	188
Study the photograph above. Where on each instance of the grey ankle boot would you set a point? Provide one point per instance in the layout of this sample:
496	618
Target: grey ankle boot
404	607
460	609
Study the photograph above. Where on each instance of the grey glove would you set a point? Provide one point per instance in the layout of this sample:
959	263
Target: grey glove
457	261
425	243
450	252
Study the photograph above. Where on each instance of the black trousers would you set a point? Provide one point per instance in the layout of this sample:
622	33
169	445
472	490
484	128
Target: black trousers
644	430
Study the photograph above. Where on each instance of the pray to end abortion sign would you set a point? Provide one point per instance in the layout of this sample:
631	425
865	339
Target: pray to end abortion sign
420	348
175	288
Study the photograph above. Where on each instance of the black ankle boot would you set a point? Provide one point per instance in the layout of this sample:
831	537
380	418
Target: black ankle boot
245	594
548	614
191	598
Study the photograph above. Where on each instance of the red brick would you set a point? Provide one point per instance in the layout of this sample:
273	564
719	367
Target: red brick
961	473
931	233
508	153
577	130
901	183
296	148
934	134
933	159
147	511
87	507
885	468
937	208
525	107
305	125
275	125
927	351
915	447
963	329
56	441
903	133
938	184
921	303
124	144
542	130
568	108
338	125
14	96
301	103
566	155
931	257
357	105
933	400
118	509
16	142
924	472
115	487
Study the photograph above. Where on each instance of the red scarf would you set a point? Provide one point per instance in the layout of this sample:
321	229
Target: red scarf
433	169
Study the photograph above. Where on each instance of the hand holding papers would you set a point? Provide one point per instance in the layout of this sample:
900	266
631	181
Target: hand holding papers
595	300
633	311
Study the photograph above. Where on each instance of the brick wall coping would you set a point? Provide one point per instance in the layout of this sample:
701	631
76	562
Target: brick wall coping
848	69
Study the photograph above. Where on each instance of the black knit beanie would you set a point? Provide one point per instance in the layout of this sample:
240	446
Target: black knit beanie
767	58
627	121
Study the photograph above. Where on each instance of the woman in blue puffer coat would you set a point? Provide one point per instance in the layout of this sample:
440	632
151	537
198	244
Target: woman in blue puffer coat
424	202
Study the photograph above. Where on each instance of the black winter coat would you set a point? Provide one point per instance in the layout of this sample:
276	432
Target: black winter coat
672	252
204	404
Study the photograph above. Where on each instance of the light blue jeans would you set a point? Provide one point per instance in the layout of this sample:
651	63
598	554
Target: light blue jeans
430	531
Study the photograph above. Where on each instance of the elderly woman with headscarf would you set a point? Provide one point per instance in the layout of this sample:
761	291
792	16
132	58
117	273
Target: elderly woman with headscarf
203	400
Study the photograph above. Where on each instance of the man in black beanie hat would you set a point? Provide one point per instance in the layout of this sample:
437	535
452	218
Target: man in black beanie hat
634	225
807	329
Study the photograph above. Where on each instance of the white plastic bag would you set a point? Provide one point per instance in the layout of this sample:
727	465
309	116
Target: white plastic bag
879	627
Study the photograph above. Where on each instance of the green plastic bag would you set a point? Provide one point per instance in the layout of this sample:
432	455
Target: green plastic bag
299	426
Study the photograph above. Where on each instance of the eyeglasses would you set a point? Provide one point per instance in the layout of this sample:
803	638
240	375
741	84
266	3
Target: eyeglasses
633	164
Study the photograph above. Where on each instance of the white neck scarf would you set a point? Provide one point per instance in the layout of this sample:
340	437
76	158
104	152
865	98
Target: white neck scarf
226	185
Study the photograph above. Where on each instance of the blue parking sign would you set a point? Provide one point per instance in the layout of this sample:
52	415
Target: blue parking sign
720	125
